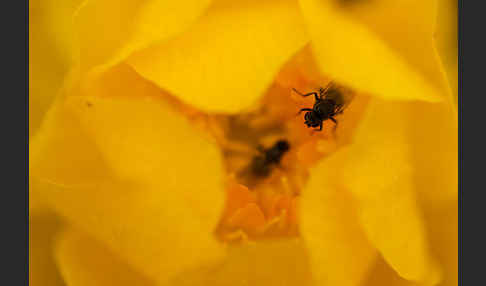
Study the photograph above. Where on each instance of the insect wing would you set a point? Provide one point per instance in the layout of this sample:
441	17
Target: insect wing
342	96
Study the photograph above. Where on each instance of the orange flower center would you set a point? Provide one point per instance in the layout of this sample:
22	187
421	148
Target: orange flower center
264	182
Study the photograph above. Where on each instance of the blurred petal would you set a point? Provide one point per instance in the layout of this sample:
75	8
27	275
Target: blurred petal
264	263
433	131
446	41
340	253
228	60
35	205
378	170
110	30
383	274
152	231
61	152
132	173
443	231
42	268
382	47
84	261
77	168
442	227
50	53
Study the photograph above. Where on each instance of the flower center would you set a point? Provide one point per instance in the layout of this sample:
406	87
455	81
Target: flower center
268	153
269	150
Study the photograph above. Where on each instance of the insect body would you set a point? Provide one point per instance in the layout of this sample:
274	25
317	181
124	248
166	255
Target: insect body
329	103
262	165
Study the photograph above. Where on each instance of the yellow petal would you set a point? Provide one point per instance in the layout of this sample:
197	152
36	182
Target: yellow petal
379	171
433	131
340	253
157	234
132	173
226	61
50	53
446	41
84	261
76	168
264	263
35	205
110	30
382	47
42	268
443	229
383	274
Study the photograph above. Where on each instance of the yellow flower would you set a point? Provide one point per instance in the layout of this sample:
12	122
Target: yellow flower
139	110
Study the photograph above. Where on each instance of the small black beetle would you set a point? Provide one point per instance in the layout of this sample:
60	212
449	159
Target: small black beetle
329	103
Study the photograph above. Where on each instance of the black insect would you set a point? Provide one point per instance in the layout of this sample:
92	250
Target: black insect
329	103
262	165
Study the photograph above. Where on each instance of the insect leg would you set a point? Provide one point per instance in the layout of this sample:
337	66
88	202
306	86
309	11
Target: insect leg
307	94
304	109
320	126
335	122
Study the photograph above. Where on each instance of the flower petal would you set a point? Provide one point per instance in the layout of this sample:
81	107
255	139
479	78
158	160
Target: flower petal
446	41
443	229
442	226
339	252
53	155
378	46
84	261
155	233
49	54
42	268
110	30
126	169
378	170
226	61
433	132
383	274
264	263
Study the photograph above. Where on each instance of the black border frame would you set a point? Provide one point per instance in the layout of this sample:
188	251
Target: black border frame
471	189
14	122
